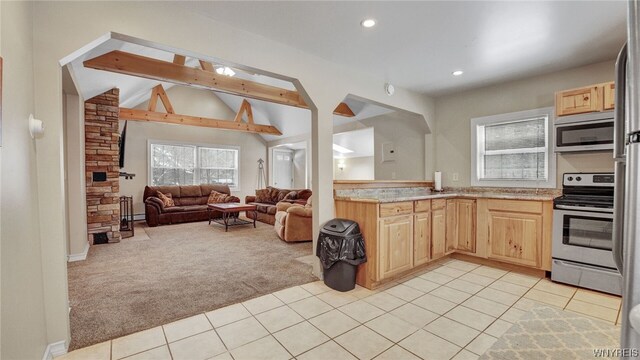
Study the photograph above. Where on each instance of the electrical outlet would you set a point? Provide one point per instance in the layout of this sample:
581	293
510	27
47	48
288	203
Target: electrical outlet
455	177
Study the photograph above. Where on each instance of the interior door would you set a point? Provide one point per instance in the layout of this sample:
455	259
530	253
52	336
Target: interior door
283	168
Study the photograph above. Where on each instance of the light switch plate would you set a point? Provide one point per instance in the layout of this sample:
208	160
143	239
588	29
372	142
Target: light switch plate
455	177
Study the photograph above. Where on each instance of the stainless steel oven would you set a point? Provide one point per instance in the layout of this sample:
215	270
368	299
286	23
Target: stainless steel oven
583	233
584	132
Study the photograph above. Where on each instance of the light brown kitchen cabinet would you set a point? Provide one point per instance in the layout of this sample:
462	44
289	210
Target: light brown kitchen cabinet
515	231
421	238
396	245
609	95
578	101
451	234
465	211
438	228
598	97
406	236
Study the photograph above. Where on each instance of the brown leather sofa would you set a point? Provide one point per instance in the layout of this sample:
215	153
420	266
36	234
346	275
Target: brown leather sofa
266	206
190	200
293	221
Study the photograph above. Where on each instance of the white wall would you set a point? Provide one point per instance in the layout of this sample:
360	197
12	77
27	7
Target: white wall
195	102
76	181
357	168
453	114
408	136
300	169
23	326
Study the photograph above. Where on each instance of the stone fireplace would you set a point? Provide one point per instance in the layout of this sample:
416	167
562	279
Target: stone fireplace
102	167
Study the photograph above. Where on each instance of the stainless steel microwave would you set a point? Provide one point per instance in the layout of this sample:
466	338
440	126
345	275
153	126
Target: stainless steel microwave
584	132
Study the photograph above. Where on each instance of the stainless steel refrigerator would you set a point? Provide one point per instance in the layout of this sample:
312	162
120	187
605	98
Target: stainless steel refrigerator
626	250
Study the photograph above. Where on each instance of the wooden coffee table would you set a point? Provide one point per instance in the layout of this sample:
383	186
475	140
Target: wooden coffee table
231	211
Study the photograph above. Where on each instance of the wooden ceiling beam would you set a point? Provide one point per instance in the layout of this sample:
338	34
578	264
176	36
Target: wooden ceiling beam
206	66
245	108
152	116
130	64
136	65
343	110
158	92
179	59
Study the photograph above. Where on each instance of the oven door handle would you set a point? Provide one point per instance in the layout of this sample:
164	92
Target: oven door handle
584	208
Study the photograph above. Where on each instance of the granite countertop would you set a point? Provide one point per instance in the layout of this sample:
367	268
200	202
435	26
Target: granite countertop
411	194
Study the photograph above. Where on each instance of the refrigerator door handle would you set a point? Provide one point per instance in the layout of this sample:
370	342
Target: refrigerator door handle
619	141
618	214
619	145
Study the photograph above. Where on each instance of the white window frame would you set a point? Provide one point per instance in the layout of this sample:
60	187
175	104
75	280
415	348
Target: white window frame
196	146
477	149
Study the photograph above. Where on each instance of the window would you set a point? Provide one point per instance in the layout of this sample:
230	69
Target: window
513	150
187	164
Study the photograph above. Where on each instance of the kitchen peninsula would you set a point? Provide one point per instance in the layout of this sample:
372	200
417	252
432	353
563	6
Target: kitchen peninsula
407	225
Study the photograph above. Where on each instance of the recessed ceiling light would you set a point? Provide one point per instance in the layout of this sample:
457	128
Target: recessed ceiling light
457	73
368	23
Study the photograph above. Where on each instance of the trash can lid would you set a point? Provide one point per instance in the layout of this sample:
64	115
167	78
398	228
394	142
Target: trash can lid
341	226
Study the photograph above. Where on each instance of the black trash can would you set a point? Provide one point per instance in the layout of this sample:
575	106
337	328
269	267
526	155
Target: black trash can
340	249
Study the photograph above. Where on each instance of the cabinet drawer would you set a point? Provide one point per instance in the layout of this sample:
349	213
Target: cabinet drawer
534	207
422	205
399	208
438	204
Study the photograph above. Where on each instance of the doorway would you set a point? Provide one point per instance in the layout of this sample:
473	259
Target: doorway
283	168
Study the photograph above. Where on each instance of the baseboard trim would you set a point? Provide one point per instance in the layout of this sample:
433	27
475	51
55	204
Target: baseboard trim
138	217
55	349
81	256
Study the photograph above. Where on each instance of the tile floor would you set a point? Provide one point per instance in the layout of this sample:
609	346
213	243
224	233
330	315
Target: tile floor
453	310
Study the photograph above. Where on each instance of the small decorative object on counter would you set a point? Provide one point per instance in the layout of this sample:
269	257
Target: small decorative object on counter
341	249
437	180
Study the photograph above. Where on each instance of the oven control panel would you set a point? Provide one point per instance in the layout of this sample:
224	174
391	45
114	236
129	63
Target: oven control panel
588	179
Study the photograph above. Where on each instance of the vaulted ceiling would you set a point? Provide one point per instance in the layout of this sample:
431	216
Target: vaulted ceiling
417	44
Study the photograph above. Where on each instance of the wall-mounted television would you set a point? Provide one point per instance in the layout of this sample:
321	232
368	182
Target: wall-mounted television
123	138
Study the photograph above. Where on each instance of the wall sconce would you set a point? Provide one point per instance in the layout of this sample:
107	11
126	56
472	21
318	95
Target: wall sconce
341	165
36	127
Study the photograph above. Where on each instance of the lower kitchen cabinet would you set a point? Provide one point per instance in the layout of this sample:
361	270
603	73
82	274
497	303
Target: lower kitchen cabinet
515	237
438	229
396	245
403	236
421	238
516	231
465	214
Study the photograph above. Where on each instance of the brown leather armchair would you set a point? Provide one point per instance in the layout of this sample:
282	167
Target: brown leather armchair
293	221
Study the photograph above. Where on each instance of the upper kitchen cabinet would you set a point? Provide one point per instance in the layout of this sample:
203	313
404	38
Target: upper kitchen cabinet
578	101
593	98
609	95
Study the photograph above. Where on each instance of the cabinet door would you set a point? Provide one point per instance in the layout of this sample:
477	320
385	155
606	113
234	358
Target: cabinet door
466	225
577	101
438	233
515	237
396	245
451	232
609	95
421	238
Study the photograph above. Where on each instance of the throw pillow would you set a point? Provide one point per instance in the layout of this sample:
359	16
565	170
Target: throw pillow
216	197
274	195
262	196
292	195
167	199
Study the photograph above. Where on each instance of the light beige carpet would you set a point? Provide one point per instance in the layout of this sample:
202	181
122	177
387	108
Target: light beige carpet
175	272
551	333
